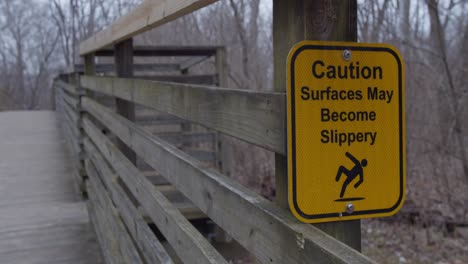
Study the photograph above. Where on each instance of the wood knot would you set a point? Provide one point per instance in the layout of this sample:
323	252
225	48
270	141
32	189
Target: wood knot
320	17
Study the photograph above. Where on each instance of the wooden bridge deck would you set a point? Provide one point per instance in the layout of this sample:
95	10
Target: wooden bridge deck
42	218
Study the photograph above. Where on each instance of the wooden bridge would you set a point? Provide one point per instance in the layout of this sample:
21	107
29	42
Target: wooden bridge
42	218
143	149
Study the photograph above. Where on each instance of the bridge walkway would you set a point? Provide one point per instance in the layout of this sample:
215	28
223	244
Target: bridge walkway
42	217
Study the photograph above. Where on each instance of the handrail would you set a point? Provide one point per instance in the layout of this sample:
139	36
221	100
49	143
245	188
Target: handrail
114	150
255	117
148	15
260	226
269	232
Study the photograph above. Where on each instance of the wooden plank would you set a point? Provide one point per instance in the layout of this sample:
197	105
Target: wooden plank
192	79
89	61
222	71
148	15
148	119
155	178
100	197
58	97
72	102
189	244
148	244
72	127
153	67
221	67
201	155
165	51
255	117
42	219
71	142
101	234
109	236
180	138
67	87
124	68
53	94
73	118
185	65
272	234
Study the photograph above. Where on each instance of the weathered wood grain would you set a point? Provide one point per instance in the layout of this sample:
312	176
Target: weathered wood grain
143	67
272	234
255	117
180	138
148	244
100	197
297	20
71	89
71	142
151	119
207	79
71	129
102	234
166	51
123	59
71	101
189	244
185	65
72	115
42	218
147	15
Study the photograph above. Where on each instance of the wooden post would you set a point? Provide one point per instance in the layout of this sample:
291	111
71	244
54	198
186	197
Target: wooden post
221	70
53	94
293	21
89	65
89	69
185	126
221	66
124	68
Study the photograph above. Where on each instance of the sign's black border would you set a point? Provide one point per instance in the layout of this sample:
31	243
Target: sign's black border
293	130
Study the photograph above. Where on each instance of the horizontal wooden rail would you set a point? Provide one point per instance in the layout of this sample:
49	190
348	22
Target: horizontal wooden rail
100	198
151	247
185	65
104	236
188	137
149	14
192	79
71	89
270	233
255	117
71	101
72	141
165	51
71	113
189	244
136	67
158	120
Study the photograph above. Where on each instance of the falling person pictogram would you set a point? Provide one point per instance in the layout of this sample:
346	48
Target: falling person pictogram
356	171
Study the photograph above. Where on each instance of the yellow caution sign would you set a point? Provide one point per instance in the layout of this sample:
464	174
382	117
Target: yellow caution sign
346	131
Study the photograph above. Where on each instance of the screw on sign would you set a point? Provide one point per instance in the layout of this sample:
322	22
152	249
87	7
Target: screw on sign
346	131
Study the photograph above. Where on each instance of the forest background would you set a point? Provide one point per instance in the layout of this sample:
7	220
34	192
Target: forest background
39	39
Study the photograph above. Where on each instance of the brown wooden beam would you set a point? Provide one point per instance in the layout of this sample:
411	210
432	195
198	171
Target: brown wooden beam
109	67
156	51
293	21
124	68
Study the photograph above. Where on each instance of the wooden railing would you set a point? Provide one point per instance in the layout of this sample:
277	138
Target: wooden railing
128	208
117	188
